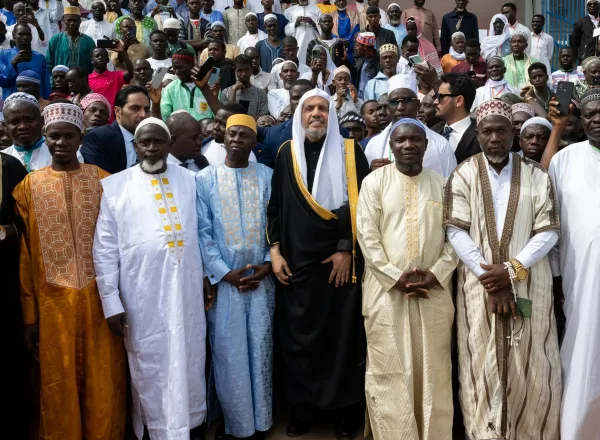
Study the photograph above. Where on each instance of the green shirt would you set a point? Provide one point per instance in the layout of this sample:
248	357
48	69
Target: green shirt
63	50
179	45
177	96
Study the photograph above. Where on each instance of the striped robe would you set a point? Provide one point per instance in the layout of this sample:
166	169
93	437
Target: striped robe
506	391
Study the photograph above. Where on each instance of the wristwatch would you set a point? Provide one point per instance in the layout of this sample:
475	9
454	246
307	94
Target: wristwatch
2	233
520	270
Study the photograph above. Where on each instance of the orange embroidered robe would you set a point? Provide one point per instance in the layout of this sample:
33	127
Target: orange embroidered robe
82	363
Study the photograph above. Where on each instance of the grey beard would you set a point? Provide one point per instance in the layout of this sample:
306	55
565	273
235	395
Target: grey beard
317	134
496	158
152	168
408	167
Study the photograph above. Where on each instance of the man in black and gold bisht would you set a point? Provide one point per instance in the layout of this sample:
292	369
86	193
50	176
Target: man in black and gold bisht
312	233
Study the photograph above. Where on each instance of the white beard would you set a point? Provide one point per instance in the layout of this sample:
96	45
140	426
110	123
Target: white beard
152	168
317	134
496	158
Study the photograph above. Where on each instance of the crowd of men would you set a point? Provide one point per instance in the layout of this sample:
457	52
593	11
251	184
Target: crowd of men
355	216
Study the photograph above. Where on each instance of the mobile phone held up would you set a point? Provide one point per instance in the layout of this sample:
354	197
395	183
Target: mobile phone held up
416	59
564	92
214	77
131	32
205	68
106	44
158	77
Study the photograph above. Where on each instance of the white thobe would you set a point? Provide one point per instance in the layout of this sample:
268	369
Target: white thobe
148	265
40	158
262	79
278	99
541	47
55	10
216	153
305	32
438	157
36	44
43	18
257	7
276	70
221	5
250	40
97	30
574	171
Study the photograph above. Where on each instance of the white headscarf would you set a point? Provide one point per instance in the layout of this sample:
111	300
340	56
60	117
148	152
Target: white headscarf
454	54
491	43
330	66
329	187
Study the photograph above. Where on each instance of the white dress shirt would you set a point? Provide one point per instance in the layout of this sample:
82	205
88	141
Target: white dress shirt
458	129
43	18
541	47
97	30
405	68
250	40
55	10
537	247
262	79
216	153
191	164
129	148
277	100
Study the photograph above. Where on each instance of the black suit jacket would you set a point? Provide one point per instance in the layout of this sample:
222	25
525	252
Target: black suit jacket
105	147
468	145
468	26
582	39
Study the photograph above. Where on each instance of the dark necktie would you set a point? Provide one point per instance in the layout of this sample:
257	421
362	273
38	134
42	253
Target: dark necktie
446	132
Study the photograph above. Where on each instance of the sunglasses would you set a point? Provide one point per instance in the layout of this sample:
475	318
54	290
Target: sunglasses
407	100
440	96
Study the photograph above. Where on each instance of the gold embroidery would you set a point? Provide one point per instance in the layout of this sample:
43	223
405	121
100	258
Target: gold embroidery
352	181
411	209
168	215
322	212
66	207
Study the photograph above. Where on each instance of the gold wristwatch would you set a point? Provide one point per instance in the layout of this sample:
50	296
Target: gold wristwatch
520	270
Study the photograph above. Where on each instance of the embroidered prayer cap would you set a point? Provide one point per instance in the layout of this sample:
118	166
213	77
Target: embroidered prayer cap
394	5
403	81
60	68
63	112
372	10
522	107
251	13
457	34
217	23
521	33
353	117
28	76
95	97
493	107
21	97
172	23
366	39
536	121
154	121
183	55
270	17
586	63
71	10
388	48
409	121
494	57
587	97
241	119
341	69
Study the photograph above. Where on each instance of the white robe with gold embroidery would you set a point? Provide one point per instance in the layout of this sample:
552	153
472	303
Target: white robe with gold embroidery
408	379
148	265
510	392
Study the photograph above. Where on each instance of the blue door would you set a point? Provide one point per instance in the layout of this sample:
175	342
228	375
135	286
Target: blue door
560	17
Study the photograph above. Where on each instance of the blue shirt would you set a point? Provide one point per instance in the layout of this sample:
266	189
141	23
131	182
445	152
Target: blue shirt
213	16
152	4
399	32
268	54
282	23
10	17
8	76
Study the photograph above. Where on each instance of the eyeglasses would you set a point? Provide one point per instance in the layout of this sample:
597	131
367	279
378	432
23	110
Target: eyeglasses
441	96
407	100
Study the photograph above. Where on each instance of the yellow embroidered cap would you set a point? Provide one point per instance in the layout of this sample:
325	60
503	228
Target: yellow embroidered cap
71	10
240	119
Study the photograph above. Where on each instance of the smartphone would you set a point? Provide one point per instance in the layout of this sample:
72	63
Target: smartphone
205	68
245	103
163	8
564	92
132	32
214	77
106	44
416	59
158	77
316	53
472	74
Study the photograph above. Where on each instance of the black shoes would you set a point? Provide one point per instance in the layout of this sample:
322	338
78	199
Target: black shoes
298	428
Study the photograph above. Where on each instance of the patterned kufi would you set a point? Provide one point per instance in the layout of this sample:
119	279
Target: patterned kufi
409	121
341	69
218	23
403	81
28	76
72	10
20	96
495	57
63	112
521	33
589	96
270	17
60	68
522	107
241	119
585	63
536	121
172	23
388	48
183	55
154	121
457	34
493	107
394	4
353	117
95	97
366	39
251	13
